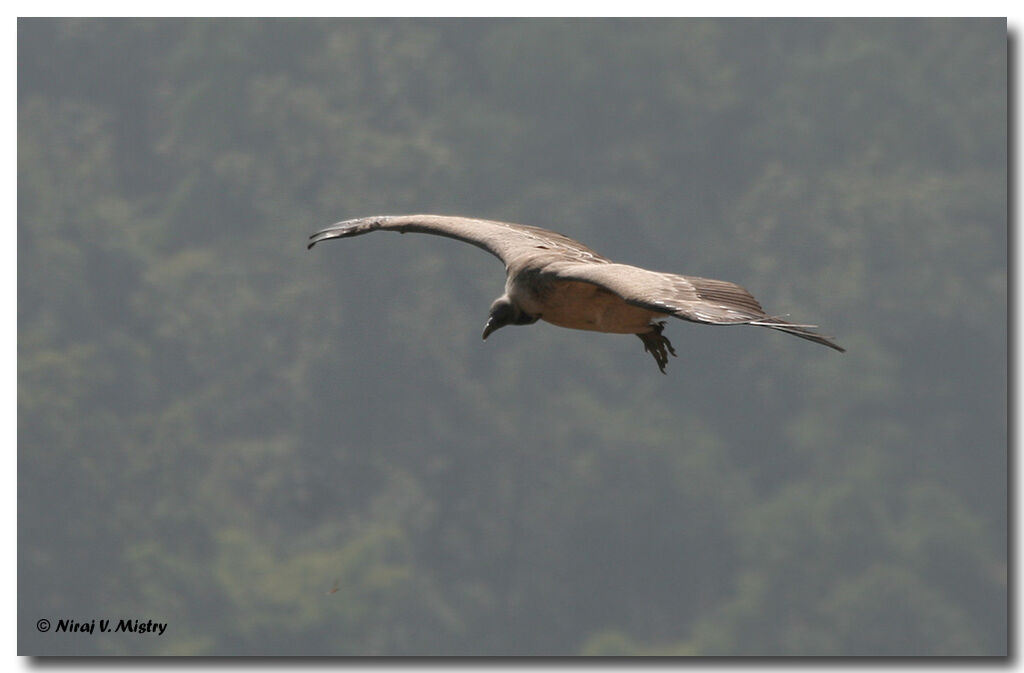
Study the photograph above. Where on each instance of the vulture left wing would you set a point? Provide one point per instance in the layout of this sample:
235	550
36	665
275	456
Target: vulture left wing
504	240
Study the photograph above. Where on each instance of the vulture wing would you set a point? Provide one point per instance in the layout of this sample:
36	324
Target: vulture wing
703	300
504	240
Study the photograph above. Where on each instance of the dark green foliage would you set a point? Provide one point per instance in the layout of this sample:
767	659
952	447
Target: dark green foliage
278	451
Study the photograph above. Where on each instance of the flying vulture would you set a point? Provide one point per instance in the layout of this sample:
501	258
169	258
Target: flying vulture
553	278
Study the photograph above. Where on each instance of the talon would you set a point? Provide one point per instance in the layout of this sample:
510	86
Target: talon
657	345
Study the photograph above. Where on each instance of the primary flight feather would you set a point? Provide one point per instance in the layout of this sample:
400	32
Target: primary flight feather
553	278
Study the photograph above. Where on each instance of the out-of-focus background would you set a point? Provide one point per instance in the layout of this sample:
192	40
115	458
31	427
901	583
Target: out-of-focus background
282	451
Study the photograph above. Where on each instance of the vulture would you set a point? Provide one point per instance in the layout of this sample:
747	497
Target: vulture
554	278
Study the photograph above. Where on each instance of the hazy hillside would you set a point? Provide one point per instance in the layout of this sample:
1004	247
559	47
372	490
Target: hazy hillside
218	427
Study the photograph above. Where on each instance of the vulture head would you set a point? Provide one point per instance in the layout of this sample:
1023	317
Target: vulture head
505	312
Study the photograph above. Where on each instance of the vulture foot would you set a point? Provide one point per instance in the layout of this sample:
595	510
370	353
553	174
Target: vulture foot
658	345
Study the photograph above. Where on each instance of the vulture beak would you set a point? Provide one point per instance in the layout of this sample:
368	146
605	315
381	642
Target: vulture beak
502	313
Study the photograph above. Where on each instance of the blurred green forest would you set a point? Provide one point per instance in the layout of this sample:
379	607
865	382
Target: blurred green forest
218	428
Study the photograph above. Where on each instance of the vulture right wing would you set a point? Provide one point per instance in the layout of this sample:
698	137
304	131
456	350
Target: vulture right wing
703	300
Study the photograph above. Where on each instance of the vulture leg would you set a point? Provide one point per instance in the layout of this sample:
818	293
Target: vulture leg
657	345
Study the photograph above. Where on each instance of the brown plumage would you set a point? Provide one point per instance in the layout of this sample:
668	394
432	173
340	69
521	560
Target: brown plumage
553	278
